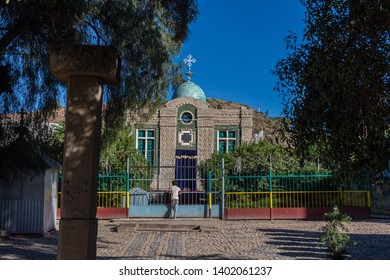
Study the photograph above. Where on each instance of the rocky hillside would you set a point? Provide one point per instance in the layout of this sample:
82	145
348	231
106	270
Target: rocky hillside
269	125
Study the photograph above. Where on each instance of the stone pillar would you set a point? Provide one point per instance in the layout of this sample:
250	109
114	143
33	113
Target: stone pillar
205	133
85	69
168	134
246	117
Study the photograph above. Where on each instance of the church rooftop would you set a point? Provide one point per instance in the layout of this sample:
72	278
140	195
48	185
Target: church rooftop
189	89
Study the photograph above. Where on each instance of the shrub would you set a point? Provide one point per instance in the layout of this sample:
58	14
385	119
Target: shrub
335	234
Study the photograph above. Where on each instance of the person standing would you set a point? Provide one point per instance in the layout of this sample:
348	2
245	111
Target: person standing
175	193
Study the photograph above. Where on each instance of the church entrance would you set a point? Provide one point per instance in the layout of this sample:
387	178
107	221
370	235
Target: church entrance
185	169
149	188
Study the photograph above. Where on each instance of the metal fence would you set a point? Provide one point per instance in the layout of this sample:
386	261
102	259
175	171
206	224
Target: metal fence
112	191
303	199
294	190
150	185
232	191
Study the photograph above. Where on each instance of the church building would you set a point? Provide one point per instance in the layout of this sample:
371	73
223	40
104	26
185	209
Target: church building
187	130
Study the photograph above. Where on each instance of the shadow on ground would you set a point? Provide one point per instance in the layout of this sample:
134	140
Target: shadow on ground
370	247
15	249
295	244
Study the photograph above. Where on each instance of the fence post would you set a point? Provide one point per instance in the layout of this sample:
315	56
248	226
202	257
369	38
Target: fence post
223	189
210	174
127	188
367	187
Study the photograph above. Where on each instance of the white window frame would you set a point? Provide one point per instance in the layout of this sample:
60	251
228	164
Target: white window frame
146	138
227	139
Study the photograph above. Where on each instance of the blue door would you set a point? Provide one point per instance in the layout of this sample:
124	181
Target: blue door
185	169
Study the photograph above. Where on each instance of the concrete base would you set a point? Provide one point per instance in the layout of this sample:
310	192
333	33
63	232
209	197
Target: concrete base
292	213
107	213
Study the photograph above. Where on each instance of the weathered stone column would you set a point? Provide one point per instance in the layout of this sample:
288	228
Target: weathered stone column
168	134
205	133
246	123
85	69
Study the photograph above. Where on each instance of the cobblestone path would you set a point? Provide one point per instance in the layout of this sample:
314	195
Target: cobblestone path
211	239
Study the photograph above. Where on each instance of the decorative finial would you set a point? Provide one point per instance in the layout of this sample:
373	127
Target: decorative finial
189	60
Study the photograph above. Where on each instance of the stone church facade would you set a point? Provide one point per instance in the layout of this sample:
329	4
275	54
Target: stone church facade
186	131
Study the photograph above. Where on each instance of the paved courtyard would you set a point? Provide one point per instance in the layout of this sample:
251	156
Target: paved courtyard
192	239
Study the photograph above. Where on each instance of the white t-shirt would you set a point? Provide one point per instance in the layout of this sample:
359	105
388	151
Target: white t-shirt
175	192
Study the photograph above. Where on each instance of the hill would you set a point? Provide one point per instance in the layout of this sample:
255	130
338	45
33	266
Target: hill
261	121
269	125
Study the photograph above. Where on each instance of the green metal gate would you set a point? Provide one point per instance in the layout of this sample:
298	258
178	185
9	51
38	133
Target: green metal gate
149	191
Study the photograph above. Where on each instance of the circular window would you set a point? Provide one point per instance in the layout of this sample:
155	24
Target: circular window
186	117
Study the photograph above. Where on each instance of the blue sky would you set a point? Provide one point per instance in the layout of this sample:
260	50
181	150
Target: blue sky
237	43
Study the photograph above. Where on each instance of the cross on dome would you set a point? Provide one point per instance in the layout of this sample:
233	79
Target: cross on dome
189	60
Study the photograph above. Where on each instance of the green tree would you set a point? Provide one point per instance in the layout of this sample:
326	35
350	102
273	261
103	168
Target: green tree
258	159
114	155
55	142
335	83
147	34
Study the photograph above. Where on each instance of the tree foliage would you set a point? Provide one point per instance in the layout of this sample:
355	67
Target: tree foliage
335	83
55	142
114	155
259	159
147	34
